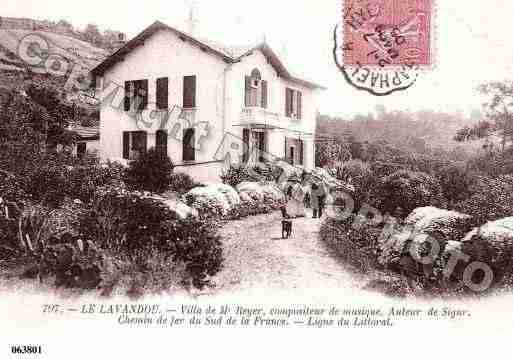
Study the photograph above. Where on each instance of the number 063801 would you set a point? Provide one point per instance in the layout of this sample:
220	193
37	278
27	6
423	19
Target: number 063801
26	349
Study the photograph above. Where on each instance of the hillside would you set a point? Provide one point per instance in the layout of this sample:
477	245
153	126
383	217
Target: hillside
73	50
417	131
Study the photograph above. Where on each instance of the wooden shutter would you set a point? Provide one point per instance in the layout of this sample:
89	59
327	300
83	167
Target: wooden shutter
188	145
245	140
189	92
301	151
144	137
299	104
162	93
127	95
286	151
126	145
143	93
288	101
247	92
264	94
161	142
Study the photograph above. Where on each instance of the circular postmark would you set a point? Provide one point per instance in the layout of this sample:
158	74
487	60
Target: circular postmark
380	47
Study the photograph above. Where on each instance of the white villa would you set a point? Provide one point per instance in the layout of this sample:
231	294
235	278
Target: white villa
202	103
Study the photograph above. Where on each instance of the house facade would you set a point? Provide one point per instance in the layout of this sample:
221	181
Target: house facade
203	104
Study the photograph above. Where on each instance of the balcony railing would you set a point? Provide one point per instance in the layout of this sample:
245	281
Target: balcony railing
259	117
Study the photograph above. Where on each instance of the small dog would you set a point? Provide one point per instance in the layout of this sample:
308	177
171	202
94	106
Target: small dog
286	224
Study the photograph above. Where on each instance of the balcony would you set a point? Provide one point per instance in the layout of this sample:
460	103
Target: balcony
257	117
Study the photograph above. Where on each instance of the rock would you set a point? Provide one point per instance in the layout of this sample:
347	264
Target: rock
492	244
440	224
411	249
219	195
181	210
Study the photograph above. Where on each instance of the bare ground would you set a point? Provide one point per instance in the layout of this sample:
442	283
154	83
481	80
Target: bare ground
257	258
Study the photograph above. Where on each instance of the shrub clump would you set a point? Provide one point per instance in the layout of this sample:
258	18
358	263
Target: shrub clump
491	199
355	243
182	183
403	191
133	227
151	172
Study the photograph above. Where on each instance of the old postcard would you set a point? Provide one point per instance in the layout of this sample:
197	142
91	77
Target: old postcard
287	178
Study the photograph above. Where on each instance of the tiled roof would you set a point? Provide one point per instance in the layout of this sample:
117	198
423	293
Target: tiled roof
228	54
87	133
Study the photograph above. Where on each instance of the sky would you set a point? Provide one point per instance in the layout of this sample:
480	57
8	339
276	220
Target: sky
472	46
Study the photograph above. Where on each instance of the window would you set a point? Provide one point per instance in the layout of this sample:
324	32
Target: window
134	144
162	93
189	92
136	95
293	103
256	89
246	149
161	142
260	143
81	149
294	151
189	153
301	146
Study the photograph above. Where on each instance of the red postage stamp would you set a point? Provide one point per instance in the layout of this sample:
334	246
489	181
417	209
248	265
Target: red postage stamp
387	33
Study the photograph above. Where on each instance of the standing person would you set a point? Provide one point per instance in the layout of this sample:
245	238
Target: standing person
314	200
322	198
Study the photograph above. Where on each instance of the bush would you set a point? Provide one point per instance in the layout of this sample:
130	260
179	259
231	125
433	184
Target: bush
83	179
150	172
12	188
125	222
198	246
456	182
235	175
356	245
403	191
490	199
133	228
182	183
360	175
47	184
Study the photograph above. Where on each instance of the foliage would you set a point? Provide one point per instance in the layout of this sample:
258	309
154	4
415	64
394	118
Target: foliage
47	183
133	226
361	176
198	246
236	174
88	174
491	199
403	191
125	221
499	113
59	112
182	183
456	182
492	162
356	246
151	172
328	153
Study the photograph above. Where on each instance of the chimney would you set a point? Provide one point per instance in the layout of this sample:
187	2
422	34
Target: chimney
192	21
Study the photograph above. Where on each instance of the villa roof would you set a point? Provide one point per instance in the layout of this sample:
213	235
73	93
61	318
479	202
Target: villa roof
228	54
87	133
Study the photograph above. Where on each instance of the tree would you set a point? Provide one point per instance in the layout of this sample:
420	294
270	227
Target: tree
54	115
329	152
498	113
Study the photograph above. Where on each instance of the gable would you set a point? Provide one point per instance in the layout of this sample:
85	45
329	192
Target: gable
213	49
